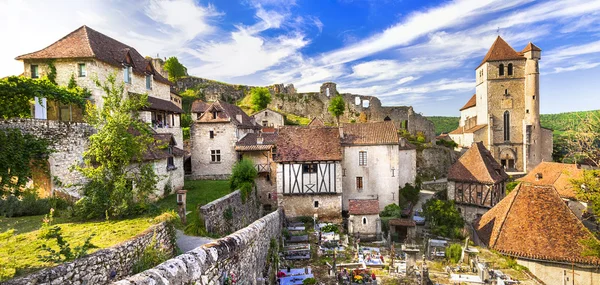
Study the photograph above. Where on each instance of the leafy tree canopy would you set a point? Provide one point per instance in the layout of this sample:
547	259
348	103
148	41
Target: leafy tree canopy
18	92
260	98
18	152
409	194
391	210
176	70
242	177
336	107
115	188
443	218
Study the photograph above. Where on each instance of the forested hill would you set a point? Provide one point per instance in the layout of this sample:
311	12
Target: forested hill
558	122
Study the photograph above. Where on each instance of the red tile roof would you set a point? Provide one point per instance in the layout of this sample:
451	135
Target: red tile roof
363	207
477	165
555	174
376	133
529	47
471	103
534	222
297	144
88	43
500	50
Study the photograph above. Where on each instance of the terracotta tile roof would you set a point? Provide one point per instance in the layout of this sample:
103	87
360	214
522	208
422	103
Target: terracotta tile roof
555	174
88	43
461	130
308	144
471	103
250	142
403	222
316	122
363	207
529	47
477	165
199	106
376	133
500	50
534	222
162	105
228	113
268	129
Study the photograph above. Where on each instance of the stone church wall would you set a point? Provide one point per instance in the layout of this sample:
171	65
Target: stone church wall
103	266
69	141
242	254
218	222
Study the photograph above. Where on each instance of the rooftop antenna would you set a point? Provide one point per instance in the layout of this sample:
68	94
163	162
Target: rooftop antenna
498	31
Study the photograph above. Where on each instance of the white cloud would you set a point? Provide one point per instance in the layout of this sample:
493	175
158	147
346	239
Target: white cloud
186	19
577	66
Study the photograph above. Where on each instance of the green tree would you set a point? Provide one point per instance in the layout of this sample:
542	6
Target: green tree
119	179
260	98
176	70
584	145
17	93
409	194
391	210
443	218
18	153
336	107
242	177
453	252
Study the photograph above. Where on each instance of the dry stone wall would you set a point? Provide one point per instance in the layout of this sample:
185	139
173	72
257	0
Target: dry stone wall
69	141
242	254
435	161
103	266
229	214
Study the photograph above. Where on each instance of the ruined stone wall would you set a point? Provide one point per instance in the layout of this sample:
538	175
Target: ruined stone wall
213	90
69	141
216	213
243	254
103	266
435	161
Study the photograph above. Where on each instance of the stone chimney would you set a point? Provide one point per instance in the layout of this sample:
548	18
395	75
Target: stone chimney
259	140
402	142
239	118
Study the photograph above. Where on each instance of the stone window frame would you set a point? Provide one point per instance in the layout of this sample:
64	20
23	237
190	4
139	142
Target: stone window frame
215	156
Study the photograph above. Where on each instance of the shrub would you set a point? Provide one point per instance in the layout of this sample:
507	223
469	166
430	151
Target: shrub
511	186
391	210
242	177
453	253
308	281
409	194
330	228
195	227
151	256
30	204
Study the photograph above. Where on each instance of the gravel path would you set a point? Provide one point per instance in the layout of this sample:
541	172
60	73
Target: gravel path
187	243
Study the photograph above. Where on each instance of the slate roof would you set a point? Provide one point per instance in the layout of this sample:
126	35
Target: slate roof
555	174
471	103
162	105
376	133
228	113
461	130
88	43
158	149
500	50
363	207
477	165
296	144
534	222
250	142
199	106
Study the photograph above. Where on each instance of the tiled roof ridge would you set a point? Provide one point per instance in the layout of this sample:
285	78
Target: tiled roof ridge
66	36
485	159
500	45
505	216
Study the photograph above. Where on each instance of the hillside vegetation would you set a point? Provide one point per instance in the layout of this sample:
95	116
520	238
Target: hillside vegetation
558	122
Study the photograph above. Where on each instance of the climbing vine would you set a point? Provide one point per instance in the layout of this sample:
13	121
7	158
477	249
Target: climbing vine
18	153
51	71
18	92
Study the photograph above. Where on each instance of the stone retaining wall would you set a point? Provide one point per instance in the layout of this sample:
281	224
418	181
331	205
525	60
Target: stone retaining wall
243	254
242	213
103	266
435	186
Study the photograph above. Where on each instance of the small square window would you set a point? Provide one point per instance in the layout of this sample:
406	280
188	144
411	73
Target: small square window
215	155
309	168
81	70
35	71
316	204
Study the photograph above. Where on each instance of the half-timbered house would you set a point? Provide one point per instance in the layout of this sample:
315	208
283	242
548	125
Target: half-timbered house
309	172
476	182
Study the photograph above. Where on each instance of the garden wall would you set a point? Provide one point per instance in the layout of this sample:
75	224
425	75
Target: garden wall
229	214
243	254
103	266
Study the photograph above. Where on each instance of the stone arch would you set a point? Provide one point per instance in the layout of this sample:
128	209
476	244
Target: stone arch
508	158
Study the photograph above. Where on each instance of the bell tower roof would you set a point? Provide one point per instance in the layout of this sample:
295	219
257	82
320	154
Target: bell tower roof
531	47
500	50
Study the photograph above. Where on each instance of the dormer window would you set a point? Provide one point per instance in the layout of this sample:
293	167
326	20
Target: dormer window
34	71
127	74
81	70
148	82
214	114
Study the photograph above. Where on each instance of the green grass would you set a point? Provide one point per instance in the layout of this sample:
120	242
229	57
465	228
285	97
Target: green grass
199	192
26	242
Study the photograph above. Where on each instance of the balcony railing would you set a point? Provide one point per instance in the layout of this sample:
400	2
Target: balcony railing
263	168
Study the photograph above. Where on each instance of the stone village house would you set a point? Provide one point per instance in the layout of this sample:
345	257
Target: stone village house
476	182
533	225
85	54
269	118
214	134
504	113
364	221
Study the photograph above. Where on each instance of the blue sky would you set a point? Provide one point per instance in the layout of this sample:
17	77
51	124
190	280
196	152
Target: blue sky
411	52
